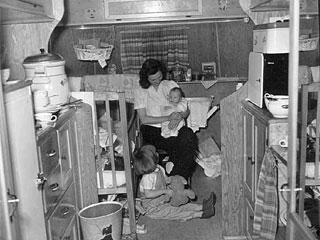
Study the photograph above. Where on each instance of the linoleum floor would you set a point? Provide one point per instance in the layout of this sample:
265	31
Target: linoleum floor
195	229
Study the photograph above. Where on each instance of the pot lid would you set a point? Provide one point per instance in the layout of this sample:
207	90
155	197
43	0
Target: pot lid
43	57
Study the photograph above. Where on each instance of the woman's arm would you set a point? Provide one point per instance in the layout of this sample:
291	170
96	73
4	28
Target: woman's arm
157	193
176	117
145	119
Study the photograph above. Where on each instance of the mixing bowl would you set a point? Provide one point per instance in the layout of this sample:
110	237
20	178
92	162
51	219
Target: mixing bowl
278	105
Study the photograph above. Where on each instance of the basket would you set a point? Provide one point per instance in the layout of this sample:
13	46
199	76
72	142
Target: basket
308	44
95	54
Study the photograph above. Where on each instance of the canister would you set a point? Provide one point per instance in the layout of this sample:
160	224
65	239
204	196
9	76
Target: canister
47	72
271	38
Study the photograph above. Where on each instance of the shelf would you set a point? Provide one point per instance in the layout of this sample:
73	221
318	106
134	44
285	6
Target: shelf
265	6
18	11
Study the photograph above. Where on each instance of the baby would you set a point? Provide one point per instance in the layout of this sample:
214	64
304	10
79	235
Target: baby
177	103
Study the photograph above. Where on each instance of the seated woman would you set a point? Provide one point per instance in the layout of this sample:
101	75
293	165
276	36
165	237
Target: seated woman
149	99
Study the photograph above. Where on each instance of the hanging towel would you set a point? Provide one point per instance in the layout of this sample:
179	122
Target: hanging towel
208	83
266	204
198	114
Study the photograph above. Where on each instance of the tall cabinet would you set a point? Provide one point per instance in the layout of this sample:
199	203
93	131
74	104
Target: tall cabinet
23	192
255	132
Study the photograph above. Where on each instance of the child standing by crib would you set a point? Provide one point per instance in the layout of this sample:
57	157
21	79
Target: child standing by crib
155	195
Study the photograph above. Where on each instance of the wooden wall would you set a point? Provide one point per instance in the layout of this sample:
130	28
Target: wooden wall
226	43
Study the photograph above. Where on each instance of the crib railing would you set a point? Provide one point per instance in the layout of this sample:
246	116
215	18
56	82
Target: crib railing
128	132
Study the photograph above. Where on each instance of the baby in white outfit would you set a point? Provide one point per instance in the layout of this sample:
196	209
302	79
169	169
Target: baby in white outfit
177	103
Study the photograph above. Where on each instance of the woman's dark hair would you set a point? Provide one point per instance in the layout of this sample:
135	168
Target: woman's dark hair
145	160
150	67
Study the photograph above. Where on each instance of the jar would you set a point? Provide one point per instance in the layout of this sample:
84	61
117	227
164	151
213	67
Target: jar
47	72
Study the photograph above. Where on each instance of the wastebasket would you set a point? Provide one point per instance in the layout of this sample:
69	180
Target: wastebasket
101	220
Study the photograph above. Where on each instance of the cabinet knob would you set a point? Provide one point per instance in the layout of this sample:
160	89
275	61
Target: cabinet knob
250	159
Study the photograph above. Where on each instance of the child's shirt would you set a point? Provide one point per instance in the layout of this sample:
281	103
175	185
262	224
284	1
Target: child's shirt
153	181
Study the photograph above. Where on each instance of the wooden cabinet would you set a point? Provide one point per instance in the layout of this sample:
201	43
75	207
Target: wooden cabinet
57	158
255	141
80	12
21	165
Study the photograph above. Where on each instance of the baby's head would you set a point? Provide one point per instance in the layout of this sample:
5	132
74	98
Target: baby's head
145	159
175	95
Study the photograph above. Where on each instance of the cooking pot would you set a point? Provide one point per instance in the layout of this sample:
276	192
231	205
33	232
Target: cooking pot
47	72
278	105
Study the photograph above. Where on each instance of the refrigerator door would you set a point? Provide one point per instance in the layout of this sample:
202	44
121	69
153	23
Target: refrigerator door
255	78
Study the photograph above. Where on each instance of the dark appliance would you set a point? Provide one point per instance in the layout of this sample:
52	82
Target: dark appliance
268	73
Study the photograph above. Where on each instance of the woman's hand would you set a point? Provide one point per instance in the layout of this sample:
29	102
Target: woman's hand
173	124
174	118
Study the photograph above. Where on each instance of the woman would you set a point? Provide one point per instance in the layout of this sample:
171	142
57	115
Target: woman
149	98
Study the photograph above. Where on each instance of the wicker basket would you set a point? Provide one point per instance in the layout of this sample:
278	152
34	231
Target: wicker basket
308	44
85	54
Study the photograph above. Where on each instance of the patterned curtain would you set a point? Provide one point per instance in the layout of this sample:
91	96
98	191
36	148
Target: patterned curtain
169	45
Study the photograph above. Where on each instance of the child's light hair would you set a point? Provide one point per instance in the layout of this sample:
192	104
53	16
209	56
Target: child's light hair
145	160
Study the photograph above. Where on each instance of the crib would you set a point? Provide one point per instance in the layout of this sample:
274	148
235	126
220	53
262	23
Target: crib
309	140
116	134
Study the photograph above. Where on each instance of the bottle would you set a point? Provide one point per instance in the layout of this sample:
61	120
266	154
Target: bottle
188	74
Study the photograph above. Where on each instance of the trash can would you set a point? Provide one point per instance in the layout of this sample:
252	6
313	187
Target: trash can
101	221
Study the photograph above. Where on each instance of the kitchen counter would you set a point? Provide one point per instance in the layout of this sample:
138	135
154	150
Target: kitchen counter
219	79
281	153
15	85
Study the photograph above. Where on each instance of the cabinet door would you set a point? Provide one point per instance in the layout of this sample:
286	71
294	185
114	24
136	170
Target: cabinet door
248	174
65	152
24	163
260	142
255	137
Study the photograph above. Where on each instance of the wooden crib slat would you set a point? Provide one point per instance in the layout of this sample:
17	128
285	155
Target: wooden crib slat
316	172
127	159
128	188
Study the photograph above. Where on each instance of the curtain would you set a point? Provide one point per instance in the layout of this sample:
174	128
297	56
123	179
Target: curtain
169	45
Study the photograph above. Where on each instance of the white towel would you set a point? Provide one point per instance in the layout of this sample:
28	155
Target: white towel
208	83
198	114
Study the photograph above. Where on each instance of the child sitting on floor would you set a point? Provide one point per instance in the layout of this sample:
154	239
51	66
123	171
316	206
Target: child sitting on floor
155	195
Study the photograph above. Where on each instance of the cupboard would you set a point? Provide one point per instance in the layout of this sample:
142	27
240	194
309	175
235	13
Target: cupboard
57	157
21	166
255	134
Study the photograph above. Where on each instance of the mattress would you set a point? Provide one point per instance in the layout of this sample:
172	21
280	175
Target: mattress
107	178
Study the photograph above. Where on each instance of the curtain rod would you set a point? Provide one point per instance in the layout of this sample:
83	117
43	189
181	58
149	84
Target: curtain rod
161	23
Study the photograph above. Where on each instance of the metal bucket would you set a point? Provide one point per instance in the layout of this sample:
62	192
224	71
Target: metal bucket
100	220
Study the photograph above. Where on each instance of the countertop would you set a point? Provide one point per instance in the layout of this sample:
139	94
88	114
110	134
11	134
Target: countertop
218	80
281	153
15	85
